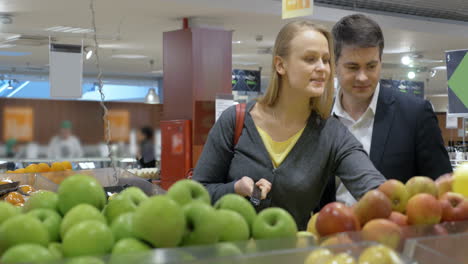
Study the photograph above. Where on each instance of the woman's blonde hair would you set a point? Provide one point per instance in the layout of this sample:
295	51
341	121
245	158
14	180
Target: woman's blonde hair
322	104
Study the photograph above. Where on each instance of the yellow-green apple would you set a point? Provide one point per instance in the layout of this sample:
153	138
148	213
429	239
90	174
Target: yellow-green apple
28	253
128	246
395	191
454	207
227	249
88	238
51	220
341	258
239	204
159	221
423	209
444	184
305	239
337	239
335	218
79	189
421	184
383	231
399	218
125	202
272	223
321	255
122	227
233	226
7	210
78	214
22	229
311	224
202	224
186	191
379	254
56	249
374	204
42	199
85	260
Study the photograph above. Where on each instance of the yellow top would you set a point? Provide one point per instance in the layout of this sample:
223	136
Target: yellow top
278	150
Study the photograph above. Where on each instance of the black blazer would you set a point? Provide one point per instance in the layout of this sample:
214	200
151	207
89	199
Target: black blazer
406	140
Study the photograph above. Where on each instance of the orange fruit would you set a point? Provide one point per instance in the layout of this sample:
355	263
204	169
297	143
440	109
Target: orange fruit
20	171
43	167
32	168
14	198
67	165
57	166
27	189
10	171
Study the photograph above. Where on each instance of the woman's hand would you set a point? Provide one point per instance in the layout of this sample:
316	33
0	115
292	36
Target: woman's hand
265	186
244	186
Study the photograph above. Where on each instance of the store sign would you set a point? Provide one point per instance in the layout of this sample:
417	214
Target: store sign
297	8
404	86
119	125
457	76
18	123
246	80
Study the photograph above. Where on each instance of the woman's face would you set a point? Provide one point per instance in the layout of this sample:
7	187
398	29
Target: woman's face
307	68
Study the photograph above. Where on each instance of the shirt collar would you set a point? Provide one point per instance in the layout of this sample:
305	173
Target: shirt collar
339	110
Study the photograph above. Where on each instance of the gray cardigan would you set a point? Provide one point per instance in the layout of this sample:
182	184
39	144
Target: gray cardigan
326	148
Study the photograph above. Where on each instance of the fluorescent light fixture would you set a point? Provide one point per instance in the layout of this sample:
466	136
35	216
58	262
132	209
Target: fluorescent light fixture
129	56
18	89
3	87
69	29
406	60
443	68
89	54
411	75
237	42
6	46
152	97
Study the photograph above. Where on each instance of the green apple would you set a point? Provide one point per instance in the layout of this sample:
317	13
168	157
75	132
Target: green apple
128	246
28	253
42	199
22	229
7	210
274	223
227	249
88	238
321	255
127	201
56	249
234	226
122	227
85	260
185	191
159	221
78	214
239	204
203	226
79	189
51	220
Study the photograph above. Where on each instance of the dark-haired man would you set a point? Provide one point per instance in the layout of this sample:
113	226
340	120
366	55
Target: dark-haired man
399	132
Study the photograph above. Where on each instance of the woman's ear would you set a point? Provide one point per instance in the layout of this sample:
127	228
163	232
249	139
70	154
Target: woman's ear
280	66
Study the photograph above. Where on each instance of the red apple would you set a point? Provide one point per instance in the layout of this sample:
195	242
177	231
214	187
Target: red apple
374	204
396	191
335	218
399	218
423	209
454	207
383	231
421	184
444	184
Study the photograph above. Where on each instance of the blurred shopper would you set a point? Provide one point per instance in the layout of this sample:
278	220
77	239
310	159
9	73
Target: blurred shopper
65	145
146	152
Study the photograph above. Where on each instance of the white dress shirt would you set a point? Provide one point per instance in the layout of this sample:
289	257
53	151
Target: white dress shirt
361	129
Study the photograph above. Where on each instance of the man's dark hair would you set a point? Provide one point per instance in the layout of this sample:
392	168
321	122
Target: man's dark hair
359	31
147	132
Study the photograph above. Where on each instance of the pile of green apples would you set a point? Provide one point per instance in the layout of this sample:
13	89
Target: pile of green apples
79	223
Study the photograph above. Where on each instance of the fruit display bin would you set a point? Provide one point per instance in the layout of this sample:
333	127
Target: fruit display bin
452	248
35	180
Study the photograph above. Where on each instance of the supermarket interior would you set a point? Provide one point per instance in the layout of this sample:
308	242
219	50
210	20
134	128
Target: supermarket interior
247	131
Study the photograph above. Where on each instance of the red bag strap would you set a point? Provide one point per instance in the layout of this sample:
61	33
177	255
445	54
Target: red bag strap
240	116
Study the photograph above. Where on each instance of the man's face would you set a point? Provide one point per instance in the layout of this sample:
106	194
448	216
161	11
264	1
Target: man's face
65	133
358	72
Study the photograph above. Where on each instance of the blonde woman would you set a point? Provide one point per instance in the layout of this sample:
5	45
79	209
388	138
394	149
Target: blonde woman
289	146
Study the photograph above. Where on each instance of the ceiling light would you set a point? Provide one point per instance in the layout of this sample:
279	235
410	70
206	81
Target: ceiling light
89	53
152	97
6	46
406	60
237	42
129	56
9	87
411	75
433	73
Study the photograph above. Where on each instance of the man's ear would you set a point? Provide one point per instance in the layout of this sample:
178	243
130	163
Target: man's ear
280	65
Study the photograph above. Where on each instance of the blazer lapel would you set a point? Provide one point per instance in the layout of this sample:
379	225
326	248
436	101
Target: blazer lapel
382	123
